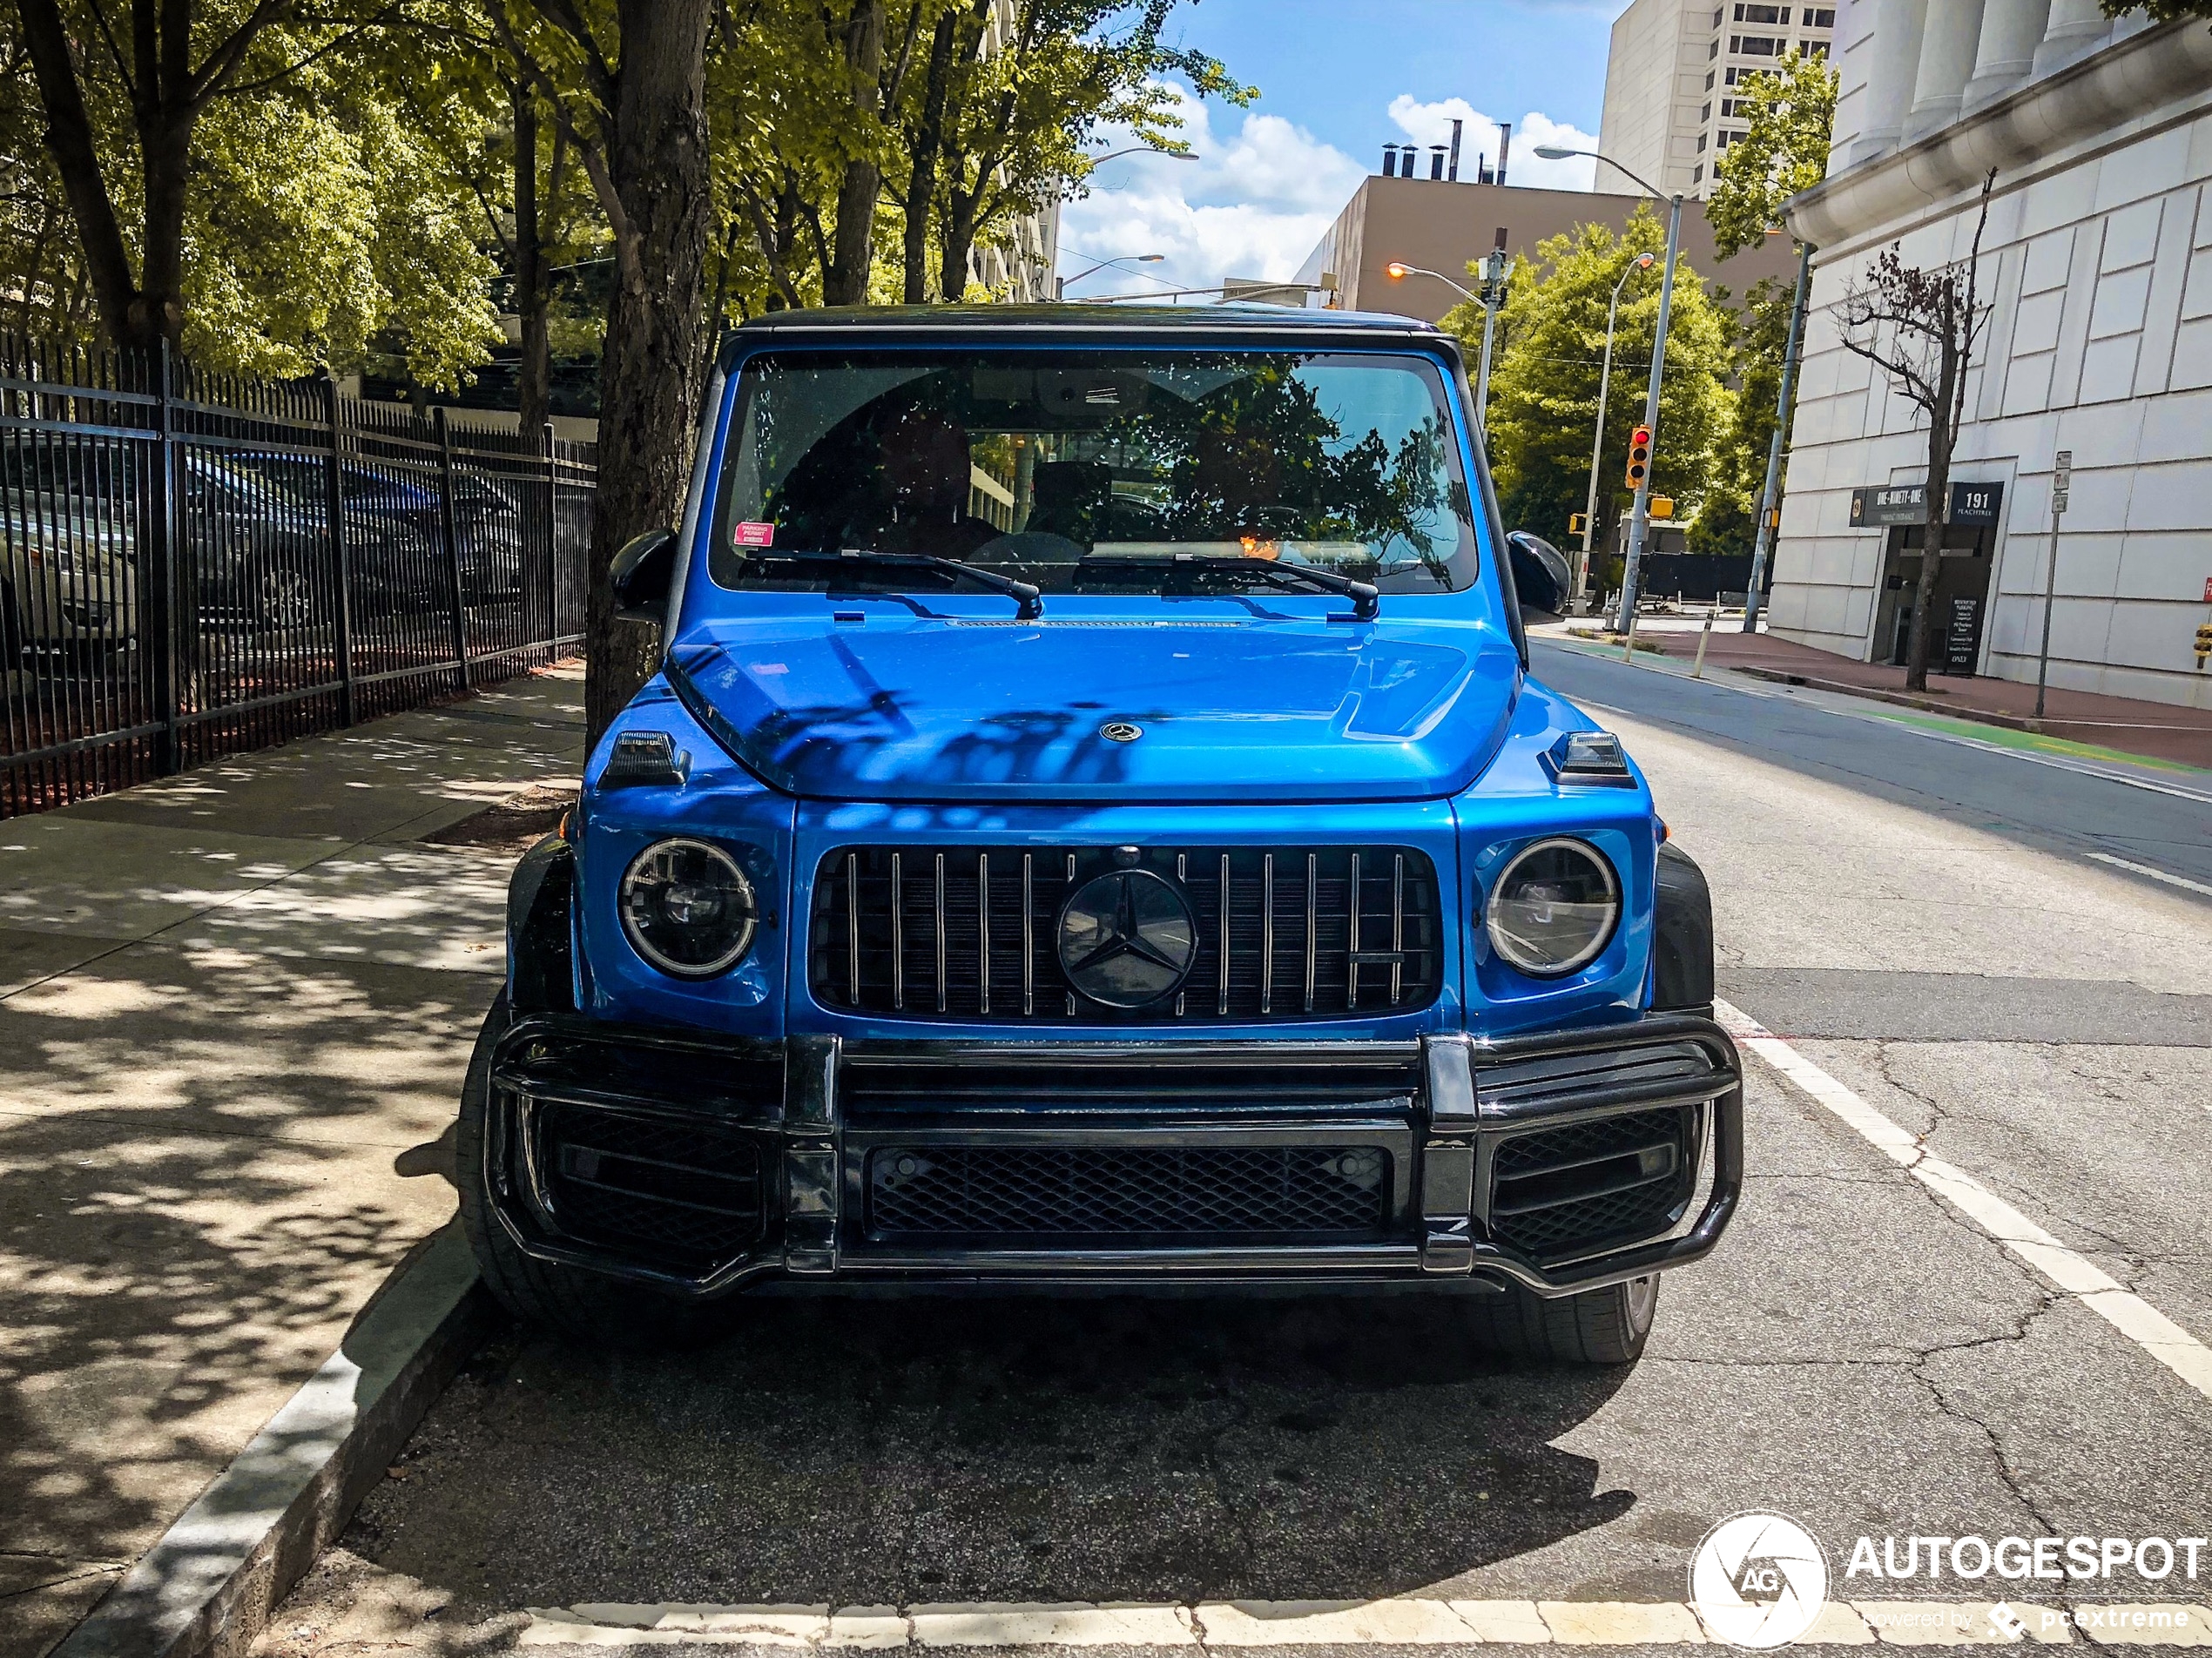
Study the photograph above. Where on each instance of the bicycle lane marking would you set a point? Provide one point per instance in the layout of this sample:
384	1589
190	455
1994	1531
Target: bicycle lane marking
2071	1271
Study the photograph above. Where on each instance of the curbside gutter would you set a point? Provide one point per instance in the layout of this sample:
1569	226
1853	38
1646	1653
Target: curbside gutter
206	1588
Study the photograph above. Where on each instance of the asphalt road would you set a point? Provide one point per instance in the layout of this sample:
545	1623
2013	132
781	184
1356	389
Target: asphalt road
1920	920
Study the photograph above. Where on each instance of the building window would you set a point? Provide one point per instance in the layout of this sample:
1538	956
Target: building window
1701	144
1814	47
1819	16
1705	110
1713	51
1762	14
1697	173
1708	80
1755	46
1716	15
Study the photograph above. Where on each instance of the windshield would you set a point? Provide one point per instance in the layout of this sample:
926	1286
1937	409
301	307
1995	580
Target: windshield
1106	472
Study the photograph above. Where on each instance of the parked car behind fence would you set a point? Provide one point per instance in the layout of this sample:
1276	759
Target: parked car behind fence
195	564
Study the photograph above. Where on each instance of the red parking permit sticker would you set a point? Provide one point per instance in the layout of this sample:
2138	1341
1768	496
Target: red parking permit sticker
754	535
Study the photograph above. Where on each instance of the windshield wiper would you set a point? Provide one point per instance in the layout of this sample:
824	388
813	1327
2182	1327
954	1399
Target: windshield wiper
1366	598
1030	599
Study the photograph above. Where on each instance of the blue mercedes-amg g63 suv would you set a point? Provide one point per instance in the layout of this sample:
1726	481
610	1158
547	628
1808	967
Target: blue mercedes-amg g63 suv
1093	826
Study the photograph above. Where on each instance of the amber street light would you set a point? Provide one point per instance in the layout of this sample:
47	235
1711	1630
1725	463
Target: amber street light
1493	294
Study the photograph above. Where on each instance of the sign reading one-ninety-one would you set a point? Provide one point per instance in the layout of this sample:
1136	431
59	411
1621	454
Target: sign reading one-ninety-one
1907	504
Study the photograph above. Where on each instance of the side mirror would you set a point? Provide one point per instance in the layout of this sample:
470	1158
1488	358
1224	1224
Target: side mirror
642	574
1542	579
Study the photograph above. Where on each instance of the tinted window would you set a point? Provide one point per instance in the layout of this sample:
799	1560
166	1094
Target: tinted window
1097	471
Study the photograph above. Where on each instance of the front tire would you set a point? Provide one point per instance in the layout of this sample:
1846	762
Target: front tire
583	1307
1607	1326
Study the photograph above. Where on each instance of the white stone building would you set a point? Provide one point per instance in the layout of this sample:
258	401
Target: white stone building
1671	74
1020	269
2097	263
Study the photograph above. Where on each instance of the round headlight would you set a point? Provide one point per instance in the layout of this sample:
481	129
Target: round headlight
688	909
1553	909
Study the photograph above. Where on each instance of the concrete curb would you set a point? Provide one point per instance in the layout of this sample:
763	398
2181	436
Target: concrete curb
206	1588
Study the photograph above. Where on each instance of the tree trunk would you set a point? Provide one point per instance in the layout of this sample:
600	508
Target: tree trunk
158	312
70	142
921	186
1920	641
846	282
648	378
955	240
1943	434
710	332
534	376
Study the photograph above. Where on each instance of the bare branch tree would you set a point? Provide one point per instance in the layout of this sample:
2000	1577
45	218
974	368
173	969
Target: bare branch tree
1919	329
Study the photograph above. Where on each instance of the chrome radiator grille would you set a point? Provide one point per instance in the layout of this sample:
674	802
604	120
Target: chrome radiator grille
972	932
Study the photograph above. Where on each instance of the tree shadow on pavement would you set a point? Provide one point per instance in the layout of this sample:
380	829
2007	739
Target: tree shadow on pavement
872	1452
196	1194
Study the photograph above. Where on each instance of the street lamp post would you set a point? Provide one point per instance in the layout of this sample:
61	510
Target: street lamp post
1763	539
1060	288
1642	262
1493	295
1141	149
1640	518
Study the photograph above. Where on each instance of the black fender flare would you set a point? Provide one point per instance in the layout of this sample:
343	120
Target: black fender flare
541	931
1682	936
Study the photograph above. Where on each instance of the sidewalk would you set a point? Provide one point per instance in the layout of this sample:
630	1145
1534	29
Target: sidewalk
235	1007
2160	730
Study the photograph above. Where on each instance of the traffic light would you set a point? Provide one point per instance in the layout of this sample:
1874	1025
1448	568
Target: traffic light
1574	523
2203	643
1639	456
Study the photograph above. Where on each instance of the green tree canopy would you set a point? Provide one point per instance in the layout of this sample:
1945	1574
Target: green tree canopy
1759	333
1544	379
265	208
1791	109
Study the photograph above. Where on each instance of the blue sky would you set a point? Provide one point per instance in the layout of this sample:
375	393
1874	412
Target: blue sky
1337	79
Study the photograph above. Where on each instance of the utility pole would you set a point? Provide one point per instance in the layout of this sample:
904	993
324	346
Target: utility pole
2061	487
1640	519
1641	262
1763	541
1494	295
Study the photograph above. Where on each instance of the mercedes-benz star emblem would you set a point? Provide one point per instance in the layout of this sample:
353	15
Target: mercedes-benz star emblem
1121	731
1126	939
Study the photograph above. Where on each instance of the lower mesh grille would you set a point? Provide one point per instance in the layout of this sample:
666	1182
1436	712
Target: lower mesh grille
687	1194
1030	1195
1588	1184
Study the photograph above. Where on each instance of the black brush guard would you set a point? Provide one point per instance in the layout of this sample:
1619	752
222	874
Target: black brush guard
699	1164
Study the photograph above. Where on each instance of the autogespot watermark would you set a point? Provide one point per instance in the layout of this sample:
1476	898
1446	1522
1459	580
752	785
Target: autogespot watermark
1758	1580
2050	1559
1762	1580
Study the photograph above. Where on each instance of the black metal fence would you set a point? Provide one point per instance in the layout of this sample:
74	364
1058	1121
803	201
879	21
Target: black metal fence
195	564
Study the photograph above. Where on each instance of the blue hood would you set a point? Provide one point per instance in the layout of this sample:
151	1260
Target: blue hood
948	709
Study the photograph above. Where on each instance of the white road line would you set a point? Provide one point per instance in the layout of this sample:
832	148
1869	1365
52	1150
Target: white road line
2076	1274
2155	874
1837	703
1398	1621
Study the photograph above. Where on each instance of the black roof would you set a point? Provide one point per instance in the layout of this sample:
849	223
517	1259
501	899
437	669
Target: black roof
1100	322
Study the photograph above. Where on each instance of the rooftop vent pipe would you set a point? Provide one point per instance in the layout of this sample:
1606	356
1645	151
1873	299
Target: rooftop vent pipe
1505	143
1455	174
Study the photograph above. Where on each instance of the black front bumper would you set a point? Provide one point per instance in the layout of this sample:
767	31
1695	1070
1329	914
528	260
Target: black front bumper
1562	1161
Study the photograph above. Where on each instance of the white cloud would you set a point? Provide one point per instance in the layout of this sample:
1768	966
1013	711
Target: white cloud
1258	200
1253	204
1427	124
